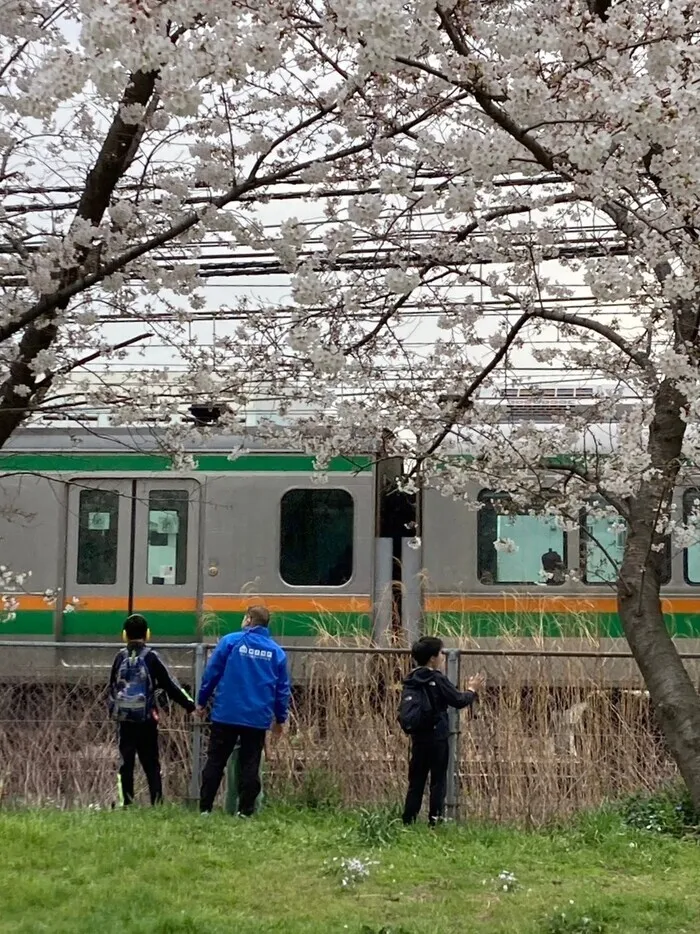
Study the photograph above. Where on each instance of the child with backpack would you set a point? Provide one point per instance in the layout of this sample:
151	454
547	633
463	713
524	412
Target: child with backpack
137	672
425	697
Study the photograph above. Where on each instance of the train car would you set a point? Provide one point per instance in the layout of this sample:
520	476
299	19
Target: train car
108	528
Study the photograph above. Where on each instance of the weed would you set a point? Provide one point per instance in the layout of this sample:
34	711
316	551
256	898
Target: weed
506	881
349	870
377	827
366	929
670	811
526	757
567	922
318	790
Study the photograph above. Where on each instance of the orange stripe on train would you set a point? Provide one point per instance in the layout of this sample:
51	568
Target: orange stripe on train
284	602
549	603
327	603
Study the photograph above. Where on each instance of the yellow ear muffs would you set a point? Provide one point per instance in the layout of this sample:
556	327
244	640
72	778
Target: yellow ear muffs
148	635
124	638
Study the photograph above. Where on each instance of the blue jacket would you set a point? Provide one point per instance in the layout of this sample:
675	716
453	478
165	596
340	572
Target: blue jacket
248	671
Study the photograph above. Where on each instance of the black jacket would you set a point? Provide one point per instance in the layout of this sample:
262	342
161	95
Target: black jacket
160	676
443	694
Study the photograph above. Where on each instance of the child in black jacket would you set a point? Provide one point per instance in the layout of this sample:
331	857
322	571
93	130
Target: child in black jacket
138	726
429	750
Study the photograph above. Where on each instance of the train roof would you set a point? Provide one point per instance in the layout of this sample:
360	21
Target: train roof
594	437
601	438
143	440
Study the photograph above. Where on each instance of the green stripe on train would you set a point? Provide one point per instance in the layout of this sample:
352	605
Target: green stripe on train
29	623
548	625
84	625
290	624
215	463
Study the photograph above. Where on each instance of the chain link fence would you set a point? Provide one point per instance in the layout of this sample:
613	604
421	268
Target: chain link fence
543	742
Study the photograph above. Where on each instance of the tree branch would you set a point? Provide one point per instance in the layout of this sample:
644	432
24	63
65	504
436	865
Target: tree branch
460	237
47	381
116	150
466	400
110	166
590	324
600	8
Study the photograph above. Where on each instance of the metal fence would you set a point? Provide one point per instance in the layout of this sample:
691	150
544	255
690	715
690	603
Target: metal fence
553	733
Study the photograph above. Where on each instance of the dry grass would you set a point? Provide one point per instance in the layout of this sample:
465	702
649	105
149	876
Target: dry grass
537	748
57	746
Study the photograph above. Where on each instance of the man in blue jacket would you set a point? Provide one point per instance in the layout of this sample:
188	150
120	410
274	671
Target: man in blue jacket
248	672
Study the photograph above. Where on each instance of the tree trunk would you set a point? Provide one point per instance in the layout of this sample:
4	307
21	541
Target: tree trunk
676	702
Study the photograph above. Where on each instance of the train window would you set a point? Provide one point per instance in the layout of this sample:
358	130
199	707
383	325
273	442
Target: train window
691	505
316	538
518	548
167	537
602	548
98	530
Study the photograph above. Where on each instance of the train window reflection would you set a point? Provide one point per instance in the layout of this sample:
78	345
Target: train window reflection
691	508
603	541
167	537
516	548
602	546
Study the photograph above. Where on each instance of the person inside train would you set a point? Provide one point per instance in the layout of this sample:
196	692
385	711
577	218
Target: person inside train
426	695
553	567
137	672
247	674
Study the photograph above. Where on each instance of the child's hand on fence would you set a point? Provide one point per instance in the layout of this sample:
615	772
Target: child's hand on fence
476	682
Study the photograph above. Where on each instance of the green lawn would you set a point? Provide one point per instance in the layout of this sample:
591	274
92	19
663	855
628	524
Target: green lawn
172	872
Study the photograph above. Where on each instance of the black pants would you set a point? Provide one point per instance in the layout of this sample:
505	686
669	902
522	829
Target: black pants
139	739
428	757
222	741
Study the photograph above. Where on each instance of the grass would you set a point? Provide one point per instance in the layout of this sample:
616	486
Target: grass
170	872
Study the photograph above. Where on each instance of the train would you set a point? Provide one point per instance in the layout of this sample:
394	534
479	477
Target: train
107	528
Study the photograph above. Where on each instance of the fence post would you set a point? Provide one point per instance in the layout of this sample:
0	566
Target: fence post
452	798
197	727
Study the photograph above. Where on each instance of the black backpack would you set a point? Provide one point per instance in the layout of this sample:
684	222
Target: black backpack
417	712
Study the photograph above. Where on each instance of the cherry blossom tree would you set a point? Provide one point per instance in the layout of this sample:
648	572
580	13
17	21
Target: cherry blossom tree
596	104
554	223
481	187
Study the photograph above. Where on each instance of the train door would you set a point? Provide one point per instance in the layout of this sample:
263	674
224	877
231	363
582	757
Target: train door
133	547
165	579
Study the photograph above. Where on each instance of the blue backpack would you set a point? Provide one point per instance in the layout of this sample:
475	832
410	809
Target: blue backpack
134	697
